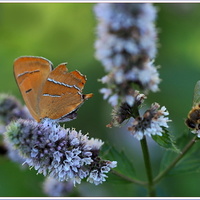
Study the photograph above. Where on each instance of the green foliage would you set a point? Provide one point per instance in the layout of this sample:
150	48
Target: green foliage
166	141
124	165
190	163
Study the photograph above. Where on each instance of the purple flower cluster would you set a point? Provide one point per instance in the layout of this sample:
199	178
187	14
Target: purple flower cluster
63	154
126	45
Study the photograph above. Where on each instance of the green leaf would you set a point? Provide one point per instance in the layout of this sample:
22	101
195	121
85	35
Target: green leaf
124	165
166	141
190	163
113	178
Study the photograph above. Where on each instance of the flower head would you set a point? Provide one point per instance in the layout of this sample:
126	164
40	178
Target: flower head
63	154
126	44
11	109
152	122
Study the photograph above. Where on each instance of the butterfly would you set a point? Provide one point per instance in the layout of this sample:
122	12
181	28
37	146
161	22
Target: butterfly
47	92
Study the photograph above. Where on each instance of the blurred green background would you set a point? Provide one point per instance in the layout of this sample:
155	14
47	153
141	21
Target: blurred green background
65	32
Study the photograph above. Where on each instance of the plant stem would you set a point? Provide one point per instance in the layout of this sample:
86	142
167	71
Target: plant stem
148	168
135	181
184	151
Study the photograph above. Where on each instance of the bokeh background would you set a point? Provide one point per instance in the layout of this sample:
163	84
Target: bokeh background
65	32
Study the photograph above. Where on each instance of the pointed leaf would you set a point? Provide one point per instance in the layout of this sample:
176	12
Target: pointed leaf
166	141
124	165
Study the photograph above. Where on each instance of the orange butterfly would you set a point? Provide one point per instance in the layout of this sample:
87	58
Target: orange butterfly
47	92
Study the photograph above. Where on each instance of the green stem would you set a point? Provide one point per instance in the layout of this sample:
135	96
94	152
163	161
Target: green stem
135	181
147	162
175	161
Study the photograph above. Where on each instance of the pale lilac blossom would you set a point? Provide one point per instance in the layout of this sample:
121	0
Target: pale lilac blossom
63	154
126	46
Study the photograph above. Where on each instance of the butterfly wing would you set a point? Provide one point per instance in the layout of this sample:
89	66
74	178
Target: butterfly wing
31	74
62	93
